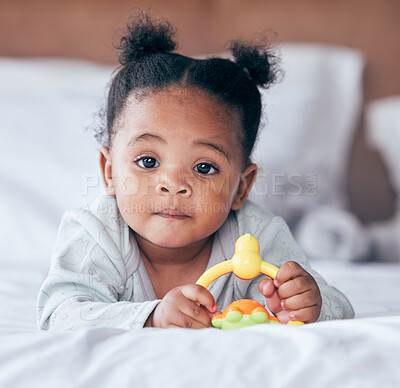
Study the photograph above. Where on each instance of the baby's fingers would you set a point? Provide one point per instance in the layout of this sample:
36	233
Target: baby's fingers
201	295
306	315
296	286
288	271
300	301
267	288
194	316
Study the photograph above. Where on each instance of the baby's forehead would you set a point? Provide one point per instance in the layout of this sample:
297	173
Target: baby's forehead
173	106
182	96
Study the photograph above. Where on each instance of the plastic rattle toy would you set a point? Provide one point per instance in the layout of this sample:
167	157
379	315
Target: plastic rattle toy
244	312
246	263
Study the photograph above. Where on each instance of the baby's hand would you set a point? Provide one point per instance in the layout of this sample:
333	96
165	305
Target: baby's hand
178	308
294	294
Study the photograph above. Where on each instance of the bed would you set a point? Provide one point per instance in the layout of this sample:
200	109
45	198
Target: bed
48	171
49	163
350	353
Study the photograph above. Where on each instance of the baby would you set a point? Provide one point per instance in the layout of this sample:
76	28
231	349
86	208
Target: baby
176	167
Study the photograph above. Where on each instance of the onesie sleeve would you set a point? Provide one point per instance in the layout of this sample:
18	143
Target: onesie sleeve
277	247
87	285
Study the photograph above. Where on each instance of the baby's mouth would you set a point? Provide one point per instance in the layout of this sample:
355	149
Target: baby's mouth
173	214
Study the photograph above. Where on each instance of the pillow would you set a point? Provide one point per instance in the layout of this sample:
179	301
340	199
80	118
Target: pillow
328	233
383	134
49	161
309	121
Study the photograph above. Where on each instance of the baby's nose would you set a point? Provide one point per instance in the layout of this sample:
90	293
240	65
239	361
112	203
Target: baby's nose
173	186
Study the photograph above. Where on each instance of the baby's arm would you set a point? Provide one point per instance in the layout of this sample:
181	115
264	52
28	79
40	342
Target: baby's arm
88	283
66	304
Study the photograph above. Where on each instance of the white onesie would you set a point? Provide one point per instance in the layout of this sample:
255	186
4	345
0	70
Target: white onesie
97	277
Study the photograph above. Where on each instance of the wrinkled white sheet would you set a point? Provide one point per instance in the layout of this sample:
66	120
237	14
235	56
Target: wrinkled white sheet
351	353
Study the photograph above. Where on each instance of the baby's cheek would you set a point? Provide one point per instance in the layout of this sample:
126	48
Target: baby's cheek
126	186
146	186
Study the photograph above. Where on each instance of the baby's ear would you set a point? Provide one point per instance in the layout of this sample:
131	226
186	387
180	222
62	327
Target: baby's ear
106	170
247	180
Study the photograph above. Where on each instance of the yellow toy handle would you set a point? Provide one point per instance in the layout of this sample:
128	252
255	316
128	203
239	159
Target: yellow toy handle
246	263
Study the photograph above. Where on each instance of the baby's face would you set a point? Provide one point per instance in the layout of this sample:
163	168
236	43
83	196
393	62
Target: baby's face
175	166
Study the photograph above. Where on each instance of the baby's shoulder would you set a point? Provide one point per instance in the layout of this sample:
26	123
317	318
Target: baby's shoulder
257	220
101	220
252	216
104	209
98	233
272	232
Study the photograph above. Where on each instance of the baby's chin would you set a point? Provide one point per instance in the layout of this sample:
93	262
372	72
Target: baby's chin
170	239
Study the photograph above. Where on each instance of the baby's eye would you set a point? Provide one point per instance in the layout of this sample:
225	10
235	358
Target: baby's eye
147	162
205	168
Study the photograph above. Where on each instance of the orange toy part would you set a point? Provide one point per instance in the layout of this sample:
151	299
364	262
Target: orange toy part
246	307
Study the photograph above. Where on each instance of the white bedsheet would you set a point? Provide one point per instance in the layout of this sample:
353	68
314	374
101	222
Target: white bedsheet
350	353
353	353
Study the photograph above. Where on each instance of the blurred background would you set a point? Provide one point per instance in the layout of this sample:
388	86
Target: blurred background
357	43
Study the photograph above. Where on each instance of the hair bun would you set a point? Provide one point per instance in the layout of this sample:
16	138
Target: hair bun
144	37
257	61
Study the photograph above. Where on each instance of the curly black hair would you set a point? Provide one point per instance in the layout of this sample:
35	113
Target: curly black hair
148	64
